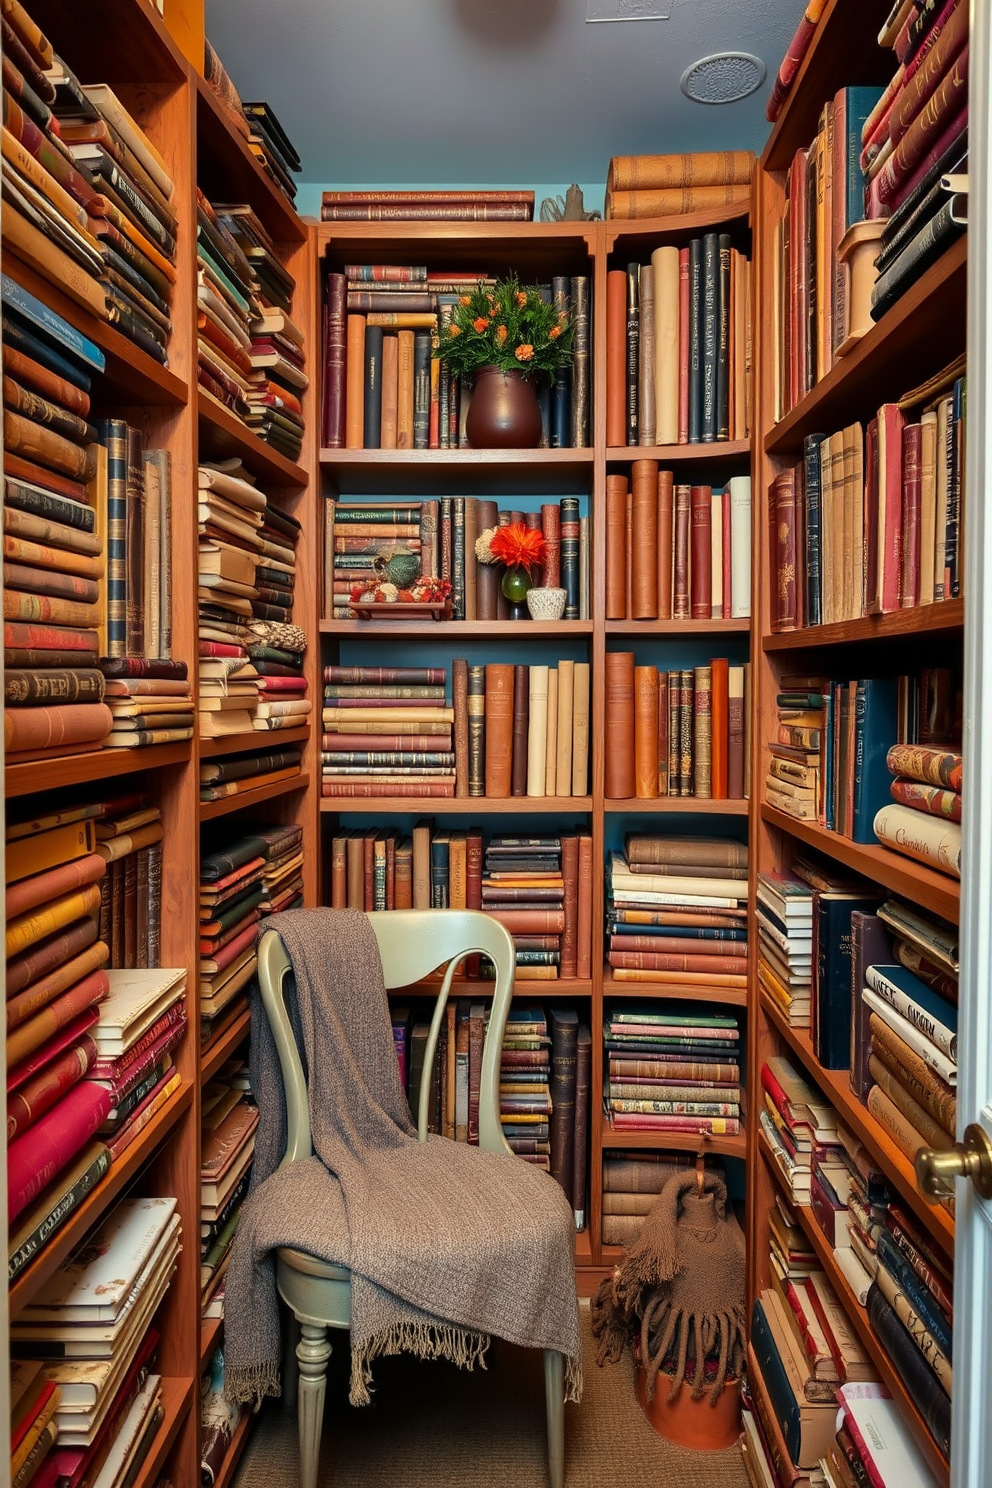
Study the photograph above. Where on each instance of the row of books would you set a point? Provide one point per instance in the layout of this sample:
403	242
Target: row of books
838	760
914	148
632	1181
527	728
229	1119
538	887
90	202
271	145
676	552
674	185
444	205
250	355
677	1070
251	655
870	520
679	733
84	1350
236	773
242	879
676	911
678	344
369	541
382	726
384	390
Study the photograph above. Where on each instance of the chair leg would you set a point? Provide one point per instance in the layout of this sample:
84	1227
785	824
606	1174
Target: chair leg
290	1372
313	1352
554	1392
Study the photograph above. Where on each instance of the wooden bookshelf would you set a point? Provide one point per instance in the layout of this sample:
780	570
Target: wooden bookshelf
178	1396
673	991
28	777
916	337
462	805
681	454
676	806
223	1044
245	800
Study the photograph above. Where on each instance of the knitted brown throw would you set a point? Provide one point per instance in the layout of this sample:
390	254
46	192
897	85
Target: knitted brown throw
446	1244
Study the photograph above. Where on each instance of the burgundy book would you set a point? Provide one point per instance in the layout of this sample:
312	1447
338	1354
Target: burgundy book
909	579
570	873
521	723
459	698
619	724
336	340
52	1142
584	946
551	529
38	1095
487	577
680	584
701	554
782	517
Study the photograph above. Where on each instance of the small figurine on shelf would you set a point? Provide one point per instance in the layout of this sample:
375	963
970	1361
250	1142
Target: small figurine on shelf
521	550
381	599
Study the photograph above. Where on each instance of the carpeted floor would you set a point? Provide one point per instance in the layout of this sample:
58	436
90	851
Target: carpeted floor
434	1426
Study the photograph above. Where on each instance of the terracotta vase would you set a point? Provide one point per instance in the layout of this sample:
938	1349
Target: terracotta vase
504	412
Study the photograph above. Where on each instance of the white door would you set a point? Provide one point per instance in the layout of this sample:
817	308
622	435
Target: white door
971	1427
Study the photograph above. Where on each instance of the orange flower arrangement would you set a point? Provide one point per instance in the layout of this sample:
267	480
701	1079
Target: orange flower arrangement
524	353
508	325
518	546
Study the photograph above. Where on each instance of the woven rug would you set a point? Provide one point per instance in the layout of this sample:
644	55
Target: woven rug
434	1426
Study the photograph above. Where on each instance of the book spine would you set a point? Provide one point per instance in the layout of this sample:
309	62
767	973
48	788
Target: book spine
723	340
521	717
700	547
647	429
702	733
537	730
581	321
620	776
616	547
633	353
570	555
645	732
644	516
710	291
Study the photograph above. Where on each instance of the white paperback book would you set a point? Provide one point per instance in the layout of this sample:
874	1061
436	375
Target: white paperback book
94	1284
135	1000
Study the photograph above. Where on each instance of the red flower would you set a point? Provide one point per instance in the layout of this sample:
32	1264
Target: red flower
518	546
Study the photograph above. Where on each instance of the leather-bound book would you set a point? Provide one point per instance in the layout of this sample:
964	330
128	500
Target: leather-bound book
720	702
922	1385
570	555
475	711
701	553
644	533
404	389
871	944
563	1026
580	1161
355	382
619	677
687	698
663	744
632	351
503	611
665	262
551	740
566	700
487	577
421	388
702	732
583	950
458	557
390	390
581	705
521	715
736	725
551	531
430	558
645	732
459	699
645	362
580	362
421	865
616	357
674	732
782	516
372	387
695	341
499	728
537	730
680	575
561	388
470	562
570	875
723	353
616	547
666	519
684	373
473	888
711	333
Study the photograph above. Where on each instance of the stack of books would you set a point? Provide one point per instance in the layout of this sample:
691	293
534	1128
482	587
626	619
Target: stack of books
445	205
525	1116
915	146
141	1010
231	516
676	551
897	484
665	889
791	1396
360	539
540	890
852	1212
368	721
873	1443
129	835
791	1254
796	1124
704	1048
784	905
150	701
239	882
90	1327
526	729
225	310
237	773
679	733
678	346
923	820
88	195
229	1119
133	500
33	1403
632	1182
270	144
384	391
672	185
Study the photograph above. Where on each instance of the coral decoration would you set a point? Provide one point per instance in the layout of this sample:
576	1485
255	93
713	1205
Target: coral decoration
518	546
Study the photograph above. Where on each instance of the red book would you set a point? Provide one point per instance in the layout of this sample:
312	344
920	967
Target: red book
41	887
782	517
551	529
219	648
909	583
719	724
335	350
39	994
52	1142
683	346
701	554
570	873
616	357
584	948
60	1013
38	1095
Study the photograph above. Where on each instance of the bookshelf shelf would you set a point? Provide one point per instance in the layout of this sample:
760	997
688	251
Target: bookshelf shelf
245	800
222	435
239	1441
674	1141
675	806
583	1248
859	1318
660	229
441	630
224	160
30	776
896	1167
922	331
258	739
223	1045
681	454
24	1286
933	619
177	1397
673	991
210	1331
462	805
441	472
684	629
934	891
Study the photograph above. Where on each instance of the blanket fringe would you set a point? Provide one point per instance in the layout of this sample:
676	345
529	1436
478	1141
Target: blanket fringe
249	1384
463	1346
573	1380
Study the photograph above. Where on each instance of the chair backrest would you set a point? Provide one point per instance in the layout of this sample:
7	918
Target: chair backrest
412	944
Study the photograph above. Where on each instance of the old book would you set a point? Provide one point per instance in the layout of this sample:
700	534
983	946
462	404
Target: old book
616	353
521	716
702	732
665	520
499	728
928	839
620	777
665	263
646	358
565	728
581	352
459	698
645	731
537	730
616	547
563	1028
681	552
581	706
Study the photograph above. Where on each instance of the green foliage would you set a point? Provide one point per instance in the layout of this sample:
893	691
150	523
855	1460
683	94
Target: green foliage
507	326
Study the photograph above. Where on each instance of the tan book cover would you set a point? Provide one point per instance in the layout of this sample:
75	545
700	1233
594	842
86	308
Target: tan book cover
551	741
665	263
537	730
563	771
581	706
354	402
646	359
390	391
643	599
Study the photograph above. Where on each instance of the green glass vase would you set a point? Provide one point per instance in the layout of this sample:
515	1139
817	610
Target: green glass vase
515	584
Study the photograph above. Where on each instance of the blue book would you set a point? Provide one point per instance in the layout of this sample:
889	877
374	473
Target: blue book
853	105
932	1014
26	307
832	974
902	1273
780	1392
440	855
23	339
875	731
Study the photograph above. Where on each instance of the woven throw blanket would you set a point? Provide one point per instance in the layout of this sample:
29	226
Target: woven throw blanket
446	1244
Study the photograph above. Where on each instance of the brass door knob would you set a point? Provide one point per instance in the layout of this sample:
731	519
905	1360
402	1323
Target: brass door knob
972	1158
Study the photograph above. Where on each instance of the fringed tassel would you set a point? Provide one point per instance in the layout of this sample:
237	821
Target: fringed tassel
249	1384
462	1346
